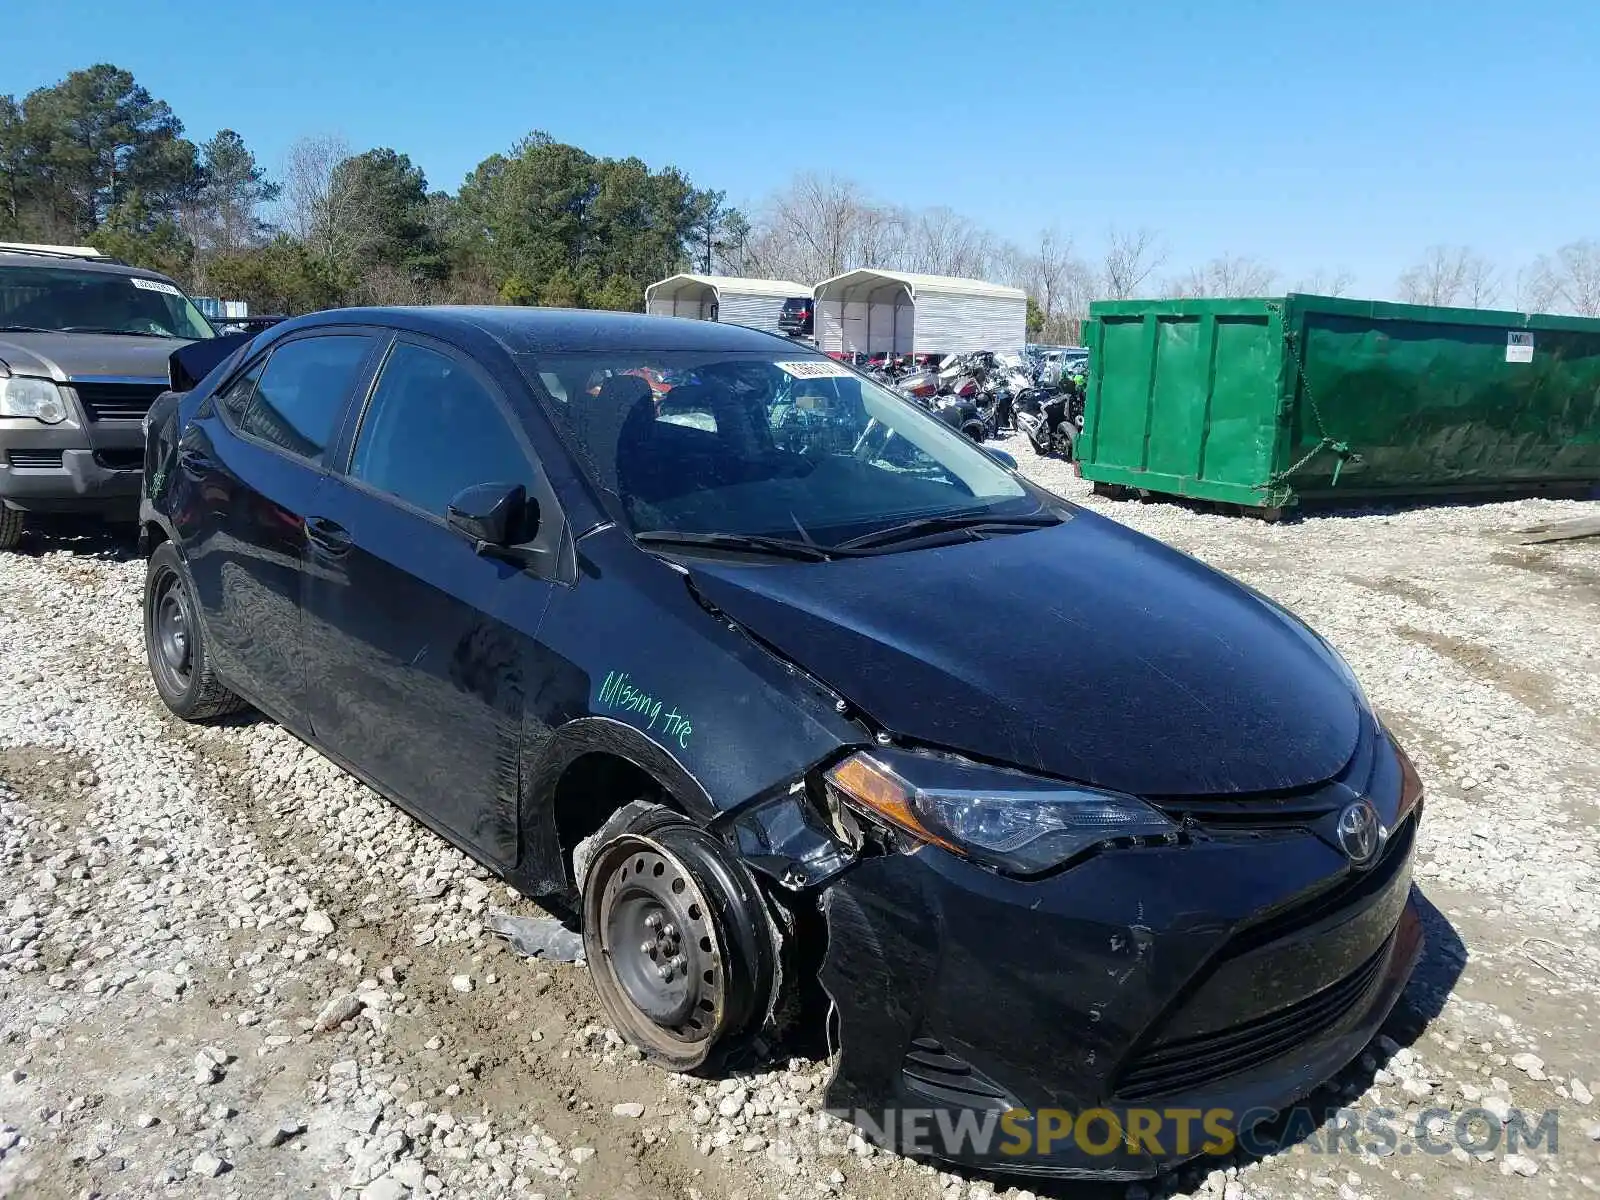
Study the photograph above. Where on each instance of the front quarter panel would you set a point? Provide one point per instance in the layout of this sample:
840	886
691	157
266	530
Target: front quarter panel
644	671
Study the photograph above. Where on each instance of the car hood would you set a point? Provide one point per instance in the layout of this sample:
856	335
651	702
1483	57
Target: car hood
1083	651
63	356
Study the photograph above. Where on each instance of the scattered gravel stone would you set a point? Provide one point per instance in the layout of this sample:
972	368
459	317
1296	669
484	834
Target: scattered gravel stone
461	983
1497	1106
385	1187
317	922
630	1109
339	1010
1529	1064
1580	1092
1519	1164
208	1166
283	1132
166	985
146	1120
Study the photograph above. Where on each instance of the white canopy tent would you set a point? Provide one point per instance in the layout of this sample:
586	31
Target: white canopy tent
901	312
726	298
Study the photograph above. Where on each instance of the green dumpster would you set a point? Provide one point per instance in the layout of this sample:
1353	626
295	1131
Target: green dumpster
1267	403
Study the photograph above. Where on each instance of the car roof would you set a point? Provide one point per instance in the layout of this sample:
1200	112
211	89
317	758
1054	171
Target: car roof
555	330
69	262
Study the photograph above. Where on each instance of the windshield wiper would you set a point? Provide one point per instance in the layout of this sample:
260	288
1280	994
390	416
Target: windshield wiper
26	329
116	332
950	523
777	547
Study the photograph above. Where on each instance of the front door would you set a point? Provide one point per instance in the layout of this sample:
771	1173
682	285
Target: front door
419	650
248	469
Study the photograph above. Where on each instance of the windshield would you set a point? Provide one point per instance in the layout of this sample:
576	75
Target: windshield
63	300
791	446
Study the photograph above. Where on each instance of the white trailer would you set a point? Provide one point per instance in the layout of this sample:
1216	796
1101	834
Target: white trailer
726	298
900	312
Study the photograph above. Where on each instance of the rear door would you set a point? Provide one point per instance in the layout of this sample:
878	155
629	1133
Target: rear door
420	651
249	466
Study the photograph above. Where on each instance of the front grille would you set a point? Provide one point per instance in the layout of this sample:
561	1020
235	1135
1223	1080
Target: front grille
1354	891
120	460
117	401
943	1076
34	460
1174	1067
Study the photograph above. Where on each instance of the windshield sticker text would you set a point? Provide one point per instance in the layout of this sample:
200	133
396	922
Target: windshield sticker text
618	694
813	369
155	285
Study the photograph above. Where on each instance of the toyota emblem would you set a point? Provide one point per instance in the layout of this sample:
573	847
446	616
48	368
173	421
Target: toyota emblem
1361	835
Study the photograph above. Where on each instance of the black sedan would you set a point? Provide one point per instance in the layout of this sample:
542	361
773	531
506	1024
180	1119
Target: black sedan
785	685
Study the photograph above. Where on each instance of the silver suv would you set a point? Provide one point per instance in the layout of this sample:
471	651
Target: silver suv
84	344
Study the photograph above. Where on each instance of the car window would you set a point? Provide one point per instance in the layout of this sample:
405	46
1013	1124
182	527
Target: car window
432	430
299	395
235	399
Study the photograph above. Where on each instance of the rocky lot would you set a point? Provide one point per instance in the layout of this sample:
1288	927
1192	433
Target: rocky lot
228	969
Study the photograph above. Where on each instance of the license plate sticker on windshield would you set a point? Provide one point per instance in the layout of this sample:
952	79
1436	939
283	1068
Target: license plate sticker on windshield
155	285
814	370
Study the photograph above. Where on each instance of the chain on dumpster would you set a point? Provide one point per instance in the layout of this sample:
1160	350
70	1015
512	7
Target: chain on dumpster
1341	450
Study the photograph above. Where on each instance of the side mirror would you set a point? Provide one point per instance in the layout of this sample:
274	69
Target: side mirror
495	517
188	365
1003	458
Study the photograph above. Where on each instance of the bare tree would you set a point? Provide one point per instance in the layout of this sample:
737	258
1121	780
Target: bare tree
1322	282
940	241
1534	287
319	206
1480	287
1059	282
1229	275
823	225
1450	275
1131	257
1573	277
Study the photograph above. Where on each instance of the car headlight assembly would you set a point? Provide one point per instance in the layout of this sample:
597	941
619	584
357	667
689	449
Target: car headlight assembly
25	396
1007	820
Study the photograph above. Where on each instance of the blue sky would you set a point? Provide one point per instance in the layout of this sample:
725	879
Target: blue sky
1310	135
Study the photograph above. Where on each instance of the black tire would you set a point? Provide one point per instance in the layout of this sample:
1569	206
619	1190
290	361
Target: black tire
11	521
175	643
678	940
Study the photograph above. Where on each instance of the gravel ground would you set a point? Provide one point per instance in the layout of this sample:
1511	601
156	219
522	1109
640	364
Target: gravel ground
227	969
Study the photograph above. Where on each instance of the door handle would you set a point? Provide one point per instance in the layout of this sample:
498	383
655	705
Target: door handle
328	536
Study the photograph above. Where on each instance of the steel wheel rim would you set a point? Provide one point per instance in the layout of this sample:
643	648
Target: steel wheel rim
173	631
660	946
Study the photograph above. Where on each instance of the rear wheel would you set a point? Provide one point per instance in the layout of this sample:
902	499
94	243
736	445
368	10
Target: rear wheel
10	527
175	644
678	940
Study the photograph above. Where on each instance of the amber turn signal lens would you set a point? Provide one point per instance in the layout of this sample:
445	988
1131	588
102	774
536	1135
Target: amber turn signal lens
879	790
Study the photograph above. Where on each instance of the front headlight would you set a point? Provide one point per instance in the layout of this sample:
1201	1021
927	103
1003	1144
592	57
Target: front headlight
25	396
1008	820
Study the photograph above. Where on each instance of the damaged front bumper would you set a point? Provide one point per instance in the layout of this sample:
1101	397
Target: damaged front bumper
1142	1008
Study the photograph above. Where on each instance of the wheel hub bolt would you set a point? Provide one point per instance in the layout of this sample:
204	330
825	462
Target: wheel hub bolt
647	948
653	922
666	972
